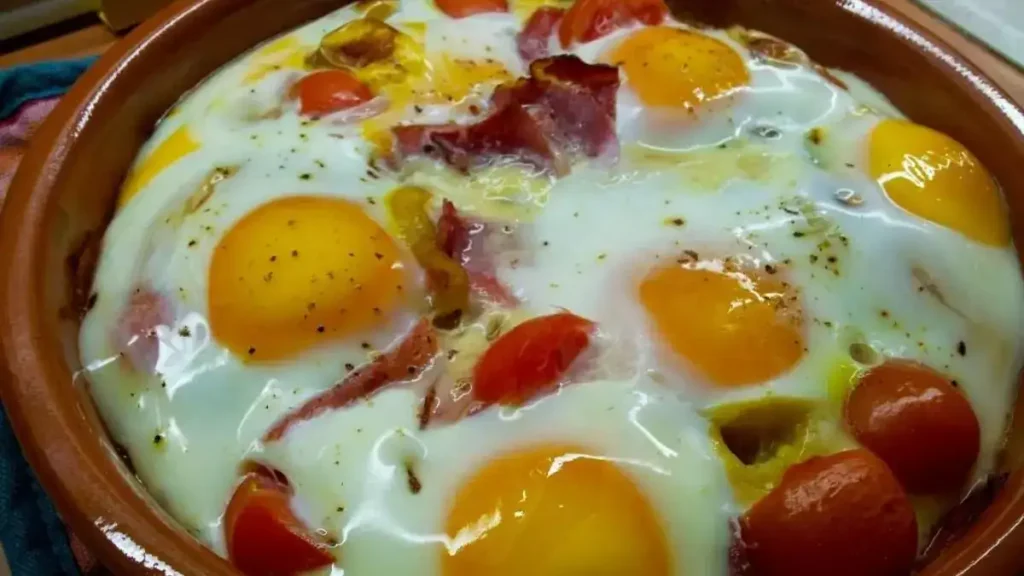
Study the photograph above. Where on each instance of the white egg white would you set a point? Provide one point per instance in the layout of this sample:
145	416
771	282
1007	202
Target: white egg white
743	181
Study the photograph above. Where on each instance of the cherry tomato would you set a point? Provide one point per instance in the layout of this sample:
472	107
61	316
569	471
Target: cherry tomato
530	358
327	91
589	20
843	515
915	420
463	8
532	43
264	537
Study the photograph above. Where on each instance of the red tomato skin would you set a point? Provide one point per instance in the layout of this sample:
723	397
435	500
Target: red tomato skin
918	423
532	42
530	358
589	20
844	514
463	8
326	91
263	535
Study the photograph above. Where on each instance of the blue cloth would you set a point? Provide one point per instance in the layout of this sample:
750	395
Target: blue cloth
21	84
33	537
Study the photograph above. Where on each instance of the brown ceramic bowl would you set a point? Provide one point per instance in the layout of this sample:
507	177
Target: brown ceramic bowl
64	195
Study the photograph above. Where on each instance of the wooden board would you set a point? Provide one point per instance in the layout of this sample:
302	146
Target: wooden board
91	40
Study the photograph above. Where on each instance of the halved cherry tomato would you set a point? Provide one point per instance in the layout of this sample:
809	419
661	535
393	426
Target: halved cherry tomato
589	20
326	91
264	537
530	358
463	8
843	515
915	420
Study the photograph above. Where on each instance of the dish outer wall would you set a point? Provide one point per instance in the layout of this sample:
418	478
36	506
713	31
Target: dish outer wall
63	197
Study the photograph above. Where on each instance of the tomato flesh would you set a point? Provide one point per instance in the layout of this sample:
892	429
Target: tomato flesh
264	537
327	91
915	420
843	515
530	358
589	20
463	8
532	42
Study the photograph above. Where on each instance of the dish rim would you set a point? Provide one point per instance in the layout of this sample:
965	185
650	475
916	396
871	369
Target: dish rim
109	510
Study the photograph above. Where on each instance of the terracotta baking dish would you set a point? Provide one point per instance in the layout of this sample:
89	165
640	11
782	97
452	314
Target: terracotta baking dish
64	195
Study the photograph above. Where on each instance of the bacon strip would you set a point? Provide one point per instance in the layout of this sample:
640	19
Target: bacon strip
535	39
455	238
413	355
566	107
135	335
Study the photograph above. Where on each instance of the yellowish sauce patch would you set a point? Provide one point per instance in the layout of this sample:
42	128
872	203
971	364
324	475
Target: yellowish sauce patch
758	440
505	193
710	169
179	144
286	53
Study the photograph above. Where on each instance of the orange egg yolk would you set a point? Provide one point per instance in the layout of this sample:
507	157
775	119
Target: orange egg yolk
733	328
552	511
299	271
679	68
934	177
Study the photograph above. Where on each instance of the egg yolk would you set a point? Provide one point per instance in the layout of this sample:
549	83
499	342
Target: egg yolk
552	511
734	328
934	177
679	68
299	271
179	144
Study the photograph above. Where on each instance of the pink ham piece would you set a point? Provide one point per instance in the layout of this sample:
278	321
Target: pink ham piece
566	108
455	237
406	361
135	335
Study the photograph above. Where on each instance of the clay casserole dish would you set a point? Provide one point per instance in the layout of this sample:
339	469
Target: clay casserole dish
64	195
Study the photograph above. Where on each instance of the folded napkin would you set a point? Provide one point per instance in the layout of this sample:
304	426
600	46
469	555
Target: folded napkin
34	539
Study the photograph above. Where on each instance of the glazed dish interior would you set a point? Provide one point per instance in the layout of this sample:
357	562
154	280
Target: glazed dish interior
539	288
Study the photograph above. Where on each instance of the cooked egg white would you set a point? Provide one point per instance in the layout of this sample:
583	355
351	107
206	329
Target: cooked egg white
357	485
245	217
